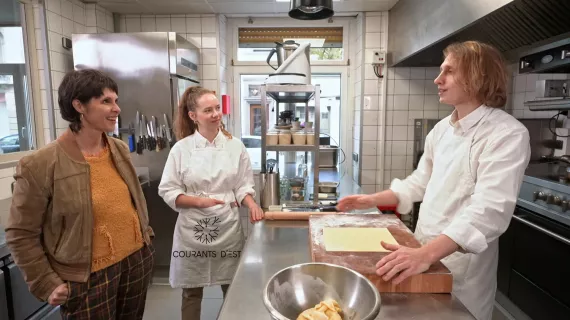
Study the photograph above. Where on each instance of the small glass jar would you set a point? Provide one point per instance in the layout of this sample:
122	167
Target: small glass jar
284	137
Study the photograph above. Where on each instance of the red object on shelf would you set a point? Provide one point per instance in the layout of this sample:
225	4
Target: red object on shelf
389	208
225	104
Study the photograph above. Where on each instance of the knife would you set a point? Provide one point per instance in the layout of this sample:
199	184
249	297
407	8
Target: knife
146	132
156	132
138	128
164	135
168	134
150	145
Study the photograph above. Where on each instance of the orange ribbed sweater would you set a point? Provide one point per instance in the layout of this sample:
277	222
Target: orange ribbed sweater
116	230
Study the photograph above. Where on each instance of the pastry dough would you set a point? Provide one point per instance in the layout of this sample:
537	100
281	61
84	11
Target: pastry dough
357	239
324	310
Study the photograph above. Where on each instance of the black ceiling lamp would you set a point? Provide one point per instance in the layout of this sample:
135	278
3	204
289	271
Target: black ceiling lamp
311	9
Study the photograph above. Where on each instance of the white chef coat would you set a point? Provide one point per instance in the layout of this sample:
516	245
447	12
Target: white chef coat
207	242
468	179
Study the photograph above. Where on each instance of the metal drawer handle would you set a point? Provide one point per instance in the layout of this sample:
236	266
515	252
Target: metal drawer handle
550	233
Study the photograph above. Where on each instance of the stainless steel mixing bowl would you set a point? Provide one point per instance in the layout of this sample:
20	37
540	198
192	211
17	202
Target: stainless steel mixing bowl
299	287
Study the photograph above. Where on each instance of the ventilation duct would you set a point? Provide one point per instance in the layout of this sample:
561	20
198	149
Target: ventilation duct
515	27
311	9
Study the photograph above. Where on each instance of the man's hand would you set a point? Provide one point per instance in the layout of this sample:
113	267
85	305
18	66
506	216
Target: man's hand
403	261
356	202
59	295
209	202
255	213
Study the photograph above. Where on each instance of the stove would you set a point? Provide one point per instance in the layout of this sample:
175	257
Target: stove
546	191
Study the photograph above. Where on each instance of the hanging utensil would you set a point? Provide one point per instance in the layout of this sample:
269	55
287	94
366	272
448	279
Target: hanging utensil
156	132
169	136
147	138
140	140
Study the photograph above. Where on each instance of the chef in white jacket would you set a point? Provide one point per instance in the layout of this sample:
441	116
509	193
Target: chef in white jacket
468	180
206	177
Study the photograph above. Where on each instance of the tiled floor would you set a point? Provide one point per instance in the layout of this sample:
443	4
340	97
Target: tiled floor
163	302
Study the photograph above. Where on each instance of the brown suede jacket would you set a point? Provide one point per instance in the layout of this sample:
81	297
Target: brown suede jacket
50	225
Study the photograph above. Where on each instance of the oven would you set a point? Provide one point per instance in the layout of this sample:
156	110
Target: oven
533	275
534	260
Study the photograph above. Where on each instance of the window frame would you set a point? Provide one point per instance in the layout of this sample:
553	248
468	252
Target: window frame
281	22
32	80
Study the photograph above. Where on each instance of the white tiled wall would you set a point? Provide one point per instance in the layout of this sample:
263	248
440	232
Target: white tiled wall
411	94
65	17
522	88
373	106
200	30
356	55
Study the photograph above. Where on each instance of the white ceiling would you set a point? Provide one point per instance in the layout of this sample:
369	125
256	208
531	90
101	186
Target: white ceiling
230	7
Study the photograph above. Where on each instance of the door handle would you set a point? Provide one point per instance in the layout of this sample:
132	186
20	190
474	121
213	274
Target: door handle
539	228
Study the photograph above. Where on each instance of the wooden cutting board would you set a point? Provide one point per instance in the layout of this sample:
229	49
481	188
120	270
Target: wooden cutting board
437	279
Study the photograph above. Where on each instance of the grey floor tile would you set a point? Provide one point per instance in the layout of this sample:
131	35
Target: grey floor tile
163	303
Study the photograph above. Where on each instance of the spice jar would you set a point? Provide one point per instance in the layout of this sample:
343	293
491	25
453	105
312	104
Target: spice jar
272	137
284	137
299	137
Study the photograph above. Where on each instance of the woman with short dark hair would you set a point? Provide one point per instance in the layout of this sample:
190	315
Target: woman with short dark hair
78	226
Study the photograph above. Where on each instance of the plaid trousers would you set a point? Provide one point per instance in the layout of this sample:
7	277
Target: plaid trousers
116	292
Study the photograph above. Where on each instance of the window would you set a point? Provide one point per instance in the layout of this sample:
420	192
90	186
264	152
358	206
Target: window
255	44
16	124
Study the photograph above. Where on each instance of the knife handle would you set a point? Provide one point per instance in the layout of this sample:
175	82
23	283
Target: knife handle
132	146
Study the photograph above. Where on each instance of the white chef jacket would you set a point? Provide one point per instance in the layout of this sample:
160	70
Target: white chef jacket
468	180
207	241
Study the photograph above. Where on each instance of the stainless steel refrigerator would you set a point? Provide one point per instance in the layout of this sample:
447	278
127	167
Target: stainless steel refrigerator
152	70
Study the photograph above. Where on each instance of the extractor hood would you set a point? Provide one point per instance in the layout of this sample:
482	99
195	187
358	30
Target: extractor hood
419	30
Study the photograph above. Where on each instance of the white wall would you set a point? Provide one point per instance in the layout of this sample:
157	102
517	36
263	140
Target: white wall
65	17
356	83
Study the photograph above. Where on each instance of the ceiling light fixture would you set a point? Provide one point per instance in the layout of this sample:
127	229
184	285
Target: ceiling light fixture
311	9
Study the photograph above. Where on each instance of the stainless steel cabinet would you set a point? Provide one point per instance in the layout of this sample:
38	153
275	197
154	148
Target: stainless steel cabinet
3	297
24	303
48	312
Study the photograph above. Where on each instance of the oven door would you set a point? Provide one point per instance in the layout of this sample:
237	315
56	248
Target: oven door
534	262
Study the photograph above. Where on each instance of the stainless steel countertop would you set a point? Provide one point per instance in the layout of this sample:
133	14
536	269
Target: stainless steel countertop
274	245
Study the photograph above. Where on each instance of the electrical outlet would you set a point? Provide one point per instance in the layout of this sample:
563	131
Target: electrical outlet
378	57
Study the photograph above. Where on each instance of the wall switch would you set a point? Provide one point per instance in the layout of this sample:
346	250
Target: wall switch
378	57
